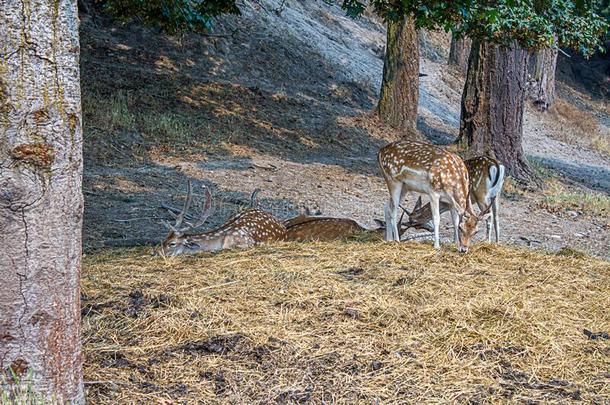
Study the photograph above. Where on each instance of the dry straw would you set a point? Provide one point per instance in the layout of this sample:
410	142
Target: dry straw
355	322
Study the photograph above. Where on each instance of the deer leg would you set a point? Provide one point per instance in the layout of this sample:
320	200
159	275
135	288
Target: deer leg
487	220
436	219
390	211
494	209
455	217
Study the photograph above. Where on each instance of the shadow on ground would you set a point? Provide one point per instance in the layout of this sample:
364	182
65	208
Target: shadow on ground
123	206
594	177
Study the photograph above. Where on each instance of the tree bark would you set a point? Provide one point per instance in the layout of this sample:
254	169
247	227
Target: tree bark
541	83
458	53
41	202
492	106
400	84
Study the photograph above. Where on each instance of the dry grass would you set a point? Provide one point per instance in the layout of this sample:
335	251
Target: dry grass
557	198
587	131
359	322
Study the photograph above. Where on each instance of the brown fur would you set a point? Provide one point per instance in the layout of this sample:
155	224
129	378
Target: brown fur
432	170
307	228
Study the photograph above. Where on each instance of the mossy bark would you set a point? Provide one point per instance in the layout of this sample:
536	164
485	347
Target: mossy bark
41	202
492	107
400	84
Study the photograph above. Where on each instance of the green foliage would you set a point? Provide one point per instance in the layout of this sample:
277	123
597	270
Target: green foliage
20	391
533	23
603	8
172	16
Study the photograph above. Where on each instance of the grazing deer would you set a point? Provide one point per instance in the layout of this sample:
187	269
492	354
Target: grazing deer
245	229
429	169
486	179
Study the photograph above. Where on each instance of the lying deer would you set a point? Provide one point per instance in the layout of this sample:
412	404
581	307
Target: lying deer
245	229
442	175
486	179
307	227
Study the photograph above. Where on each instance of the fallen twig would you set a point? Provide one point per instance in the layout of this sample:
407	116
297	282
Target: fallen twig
271	167
420	235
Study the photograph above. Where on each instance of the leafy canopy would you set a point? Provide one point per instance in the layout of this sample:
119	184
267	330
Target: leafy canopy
172	16
533	23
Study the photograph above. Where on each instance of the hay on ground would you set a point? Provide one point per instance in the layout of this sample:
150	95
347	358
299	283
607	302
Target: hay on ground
359	322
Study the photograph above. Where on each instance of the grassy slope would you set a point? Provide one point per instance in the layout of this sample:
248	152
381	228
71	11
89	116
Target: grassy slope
346	322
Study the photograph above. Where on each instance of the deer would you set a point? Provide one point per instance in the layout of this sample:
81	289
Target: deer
486	180
428	169
306	227
243	230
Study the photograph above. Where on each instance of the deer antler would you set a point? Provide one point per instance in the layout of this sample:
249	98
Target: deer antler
206	210
183	214
185	208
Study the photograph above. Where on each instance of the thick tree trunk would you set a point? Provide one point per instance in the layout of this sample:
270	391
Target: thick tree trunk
400	84
41	202
459	51
492	106
541	83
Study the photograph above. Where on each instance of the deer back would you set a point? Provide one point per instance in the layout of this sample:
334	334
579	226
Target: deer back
486	178
257	225
426	168
308	228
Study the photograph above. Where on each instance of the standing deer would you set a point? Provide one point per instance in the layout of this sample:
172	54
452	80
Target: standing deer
486	179
245	229
428	169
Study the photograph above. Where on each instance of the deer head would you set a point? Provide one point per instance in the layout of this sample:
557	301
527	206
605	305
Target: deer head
421	218
176	242
469	226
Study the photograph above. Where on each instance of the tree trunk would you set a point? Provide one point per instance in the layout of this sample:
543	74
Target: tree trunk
541	83
400	84
492	106
41	202
458	53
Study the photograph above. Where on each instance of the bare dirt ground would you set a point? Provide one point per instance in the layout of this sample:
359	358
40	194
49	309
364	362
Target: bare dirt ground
280	99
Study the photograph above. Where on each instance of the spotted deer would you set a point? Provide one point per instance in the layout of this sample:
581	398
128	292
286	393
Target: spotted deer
486	180
317	228
245	229
306	227
431	170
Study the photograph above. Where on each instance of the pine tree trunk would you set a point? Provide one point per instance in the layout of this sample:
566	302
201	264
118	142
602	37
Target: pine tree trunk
541	85
41	201
400	84
492	106
458	53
